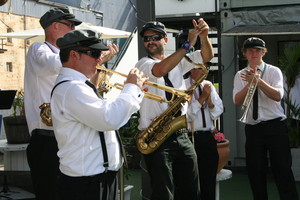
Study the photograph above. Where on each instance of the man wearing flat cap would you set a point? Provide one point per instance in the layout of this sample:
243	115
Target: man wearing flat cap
173	166
42	66
90	152
266	130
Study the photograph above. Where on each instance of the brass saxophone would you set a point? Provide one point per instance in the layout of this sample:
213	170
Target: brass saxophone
45	114
164	125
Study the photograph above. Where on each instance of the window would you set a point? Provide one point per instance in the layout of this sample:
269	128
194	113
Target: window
9	40
9	67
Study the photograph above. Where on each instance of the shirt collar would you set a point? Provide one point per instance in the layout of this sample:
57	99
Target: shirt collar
73	74
260	67
52	47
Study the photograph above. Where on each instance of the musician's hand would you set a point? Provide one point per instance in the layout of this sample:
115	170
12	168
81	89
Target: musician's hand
248	75
205	94
206	91
136	77
108	55
193	34
203	27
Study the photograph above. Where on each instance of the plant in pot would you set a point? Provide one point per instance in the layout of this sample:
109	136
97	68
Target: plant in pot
222	147
15	126
289	63
128	135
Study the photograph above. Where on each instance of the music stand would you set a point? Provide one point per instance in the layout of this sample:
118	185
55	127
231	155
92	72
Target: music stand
7	98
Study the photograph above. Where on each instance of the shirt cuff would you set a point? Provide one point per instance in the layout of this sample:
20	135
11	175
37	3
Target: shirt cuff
134	90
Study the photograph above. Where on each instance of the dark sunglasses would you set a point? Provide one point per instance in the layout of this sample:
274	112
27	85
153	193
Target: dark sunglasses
152	38
72	26
95	53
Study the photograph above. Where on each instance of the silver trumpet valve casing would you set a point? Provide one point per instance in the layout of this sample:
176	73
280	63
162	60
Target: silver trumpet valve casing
249	97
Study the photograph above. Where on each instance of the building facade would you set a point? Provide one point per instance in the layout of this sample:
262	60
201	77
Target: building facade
18	15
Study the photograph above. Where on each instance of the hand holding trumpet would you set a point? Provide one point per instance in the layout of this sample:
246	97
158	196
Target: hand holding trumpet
252	74
136	77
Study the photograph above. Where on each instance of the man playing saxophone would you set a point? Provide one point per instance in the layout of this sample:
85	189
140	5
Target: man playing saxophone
173	165
266	130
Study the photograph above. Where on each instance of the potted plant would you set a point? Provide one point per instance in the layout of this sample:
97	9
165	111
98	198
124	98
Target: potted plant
128	135
222	147
289	63
15	126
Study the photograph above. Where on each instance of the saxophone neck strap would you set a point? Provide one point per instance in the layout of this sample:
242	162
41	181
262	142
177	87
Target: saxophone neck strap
265	66
57	85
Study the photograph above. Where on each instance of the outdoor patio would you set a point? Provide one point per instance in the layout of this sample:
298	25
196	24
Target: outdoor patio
236	188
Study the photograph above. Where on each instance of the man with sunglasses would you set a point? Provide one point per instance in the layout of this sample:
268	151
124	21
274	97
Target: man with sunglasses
173	166
41	69
89	151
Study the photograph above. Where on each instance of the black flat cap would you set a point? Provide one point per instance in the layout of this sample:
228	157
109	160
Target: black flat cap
155	26
81	38
254	42
56	14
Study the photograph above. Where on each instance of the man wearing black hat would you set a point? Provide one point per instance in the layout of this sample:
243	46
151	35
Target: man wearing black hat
173	166
41	69
266	130
89	152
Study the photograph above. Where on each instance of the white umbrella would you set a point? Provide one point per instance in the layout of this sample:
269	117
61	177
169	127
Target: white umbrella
37	35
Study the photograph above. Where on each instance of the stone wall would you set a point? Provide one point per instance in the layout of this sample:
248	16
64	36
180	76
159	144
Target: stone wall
15	50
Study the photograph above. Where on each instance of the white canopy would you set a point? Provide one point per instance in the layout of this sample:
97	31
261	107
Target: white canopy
38	34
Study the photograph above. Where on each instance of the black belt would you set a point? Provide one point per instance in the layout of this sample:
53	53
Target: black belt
271	120
201	132
105	173
43	132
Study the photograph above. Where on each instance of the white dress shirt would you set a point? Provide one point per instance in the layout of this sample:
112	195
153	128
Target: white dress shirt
267	108
42	66
150	108
194	109
78	114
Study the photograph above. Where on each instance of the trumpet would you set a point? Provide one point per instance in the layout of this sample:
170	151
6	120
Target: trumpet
175	92
248	98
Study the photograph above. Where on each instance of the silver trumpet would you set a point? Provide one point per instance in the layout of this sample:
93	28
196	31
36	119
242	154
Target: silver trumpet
248	98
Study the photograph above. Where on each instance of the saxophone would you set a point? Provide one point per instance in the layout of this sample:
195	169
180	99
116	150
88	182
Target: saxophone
166	124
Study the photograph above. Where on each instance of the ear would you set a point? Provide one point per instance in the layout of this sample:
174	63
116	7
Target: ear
166	40
74	55
55	26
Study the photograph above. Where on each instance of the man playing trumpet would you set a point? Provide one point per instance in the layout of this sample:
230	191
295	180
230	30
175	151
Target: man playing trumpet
173	166
90	152
266	130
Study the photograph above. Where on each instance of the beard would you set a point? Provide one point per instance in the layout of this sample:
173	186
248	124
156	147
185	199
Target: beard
159	50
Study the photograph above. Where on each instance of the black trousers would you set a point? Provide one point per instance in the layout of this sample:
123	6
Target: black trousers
271	138
44	163
208	158
98	187
173	170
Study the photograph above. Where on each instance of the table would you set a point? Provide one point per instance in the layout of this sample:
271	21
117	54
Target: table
15	158
223	175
